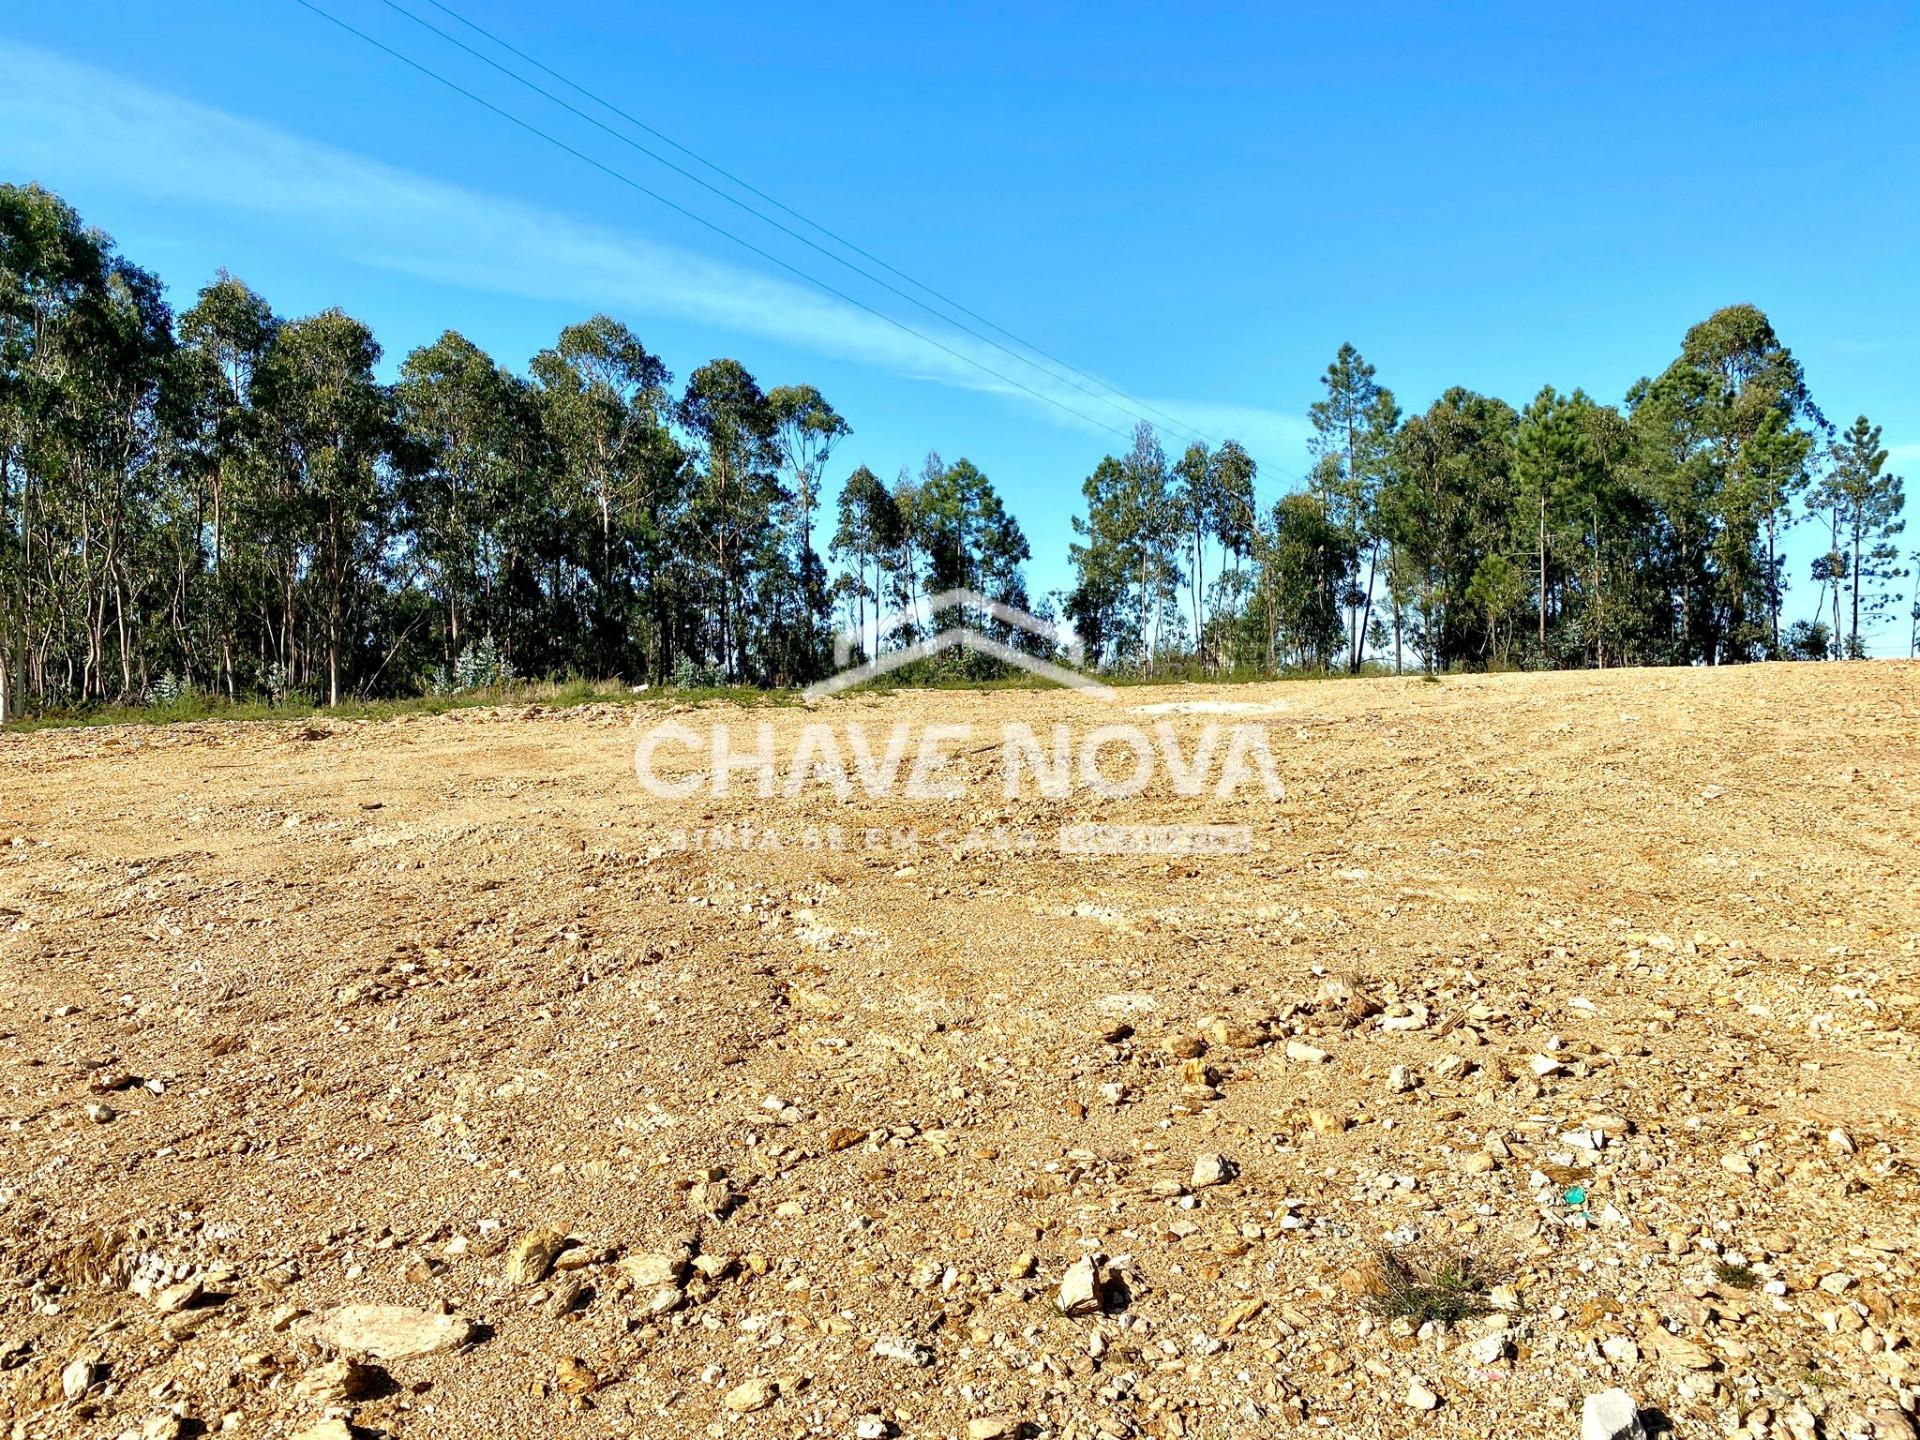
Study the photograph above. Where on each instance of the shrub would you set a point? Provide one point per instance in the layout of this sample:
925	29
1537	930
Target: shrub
1448	1290
691	674
168	690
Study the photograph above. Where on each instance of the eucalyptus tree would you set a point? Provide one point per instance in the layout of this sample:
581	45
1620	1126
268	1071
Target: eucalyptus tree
868	533
805	431
1151	505
1194	503
1233	521
52	271
1306	557
737	491
328	431
1129	562
224	339
1447	505
972	542
86	355
452	402
1097	604
904	563
605	407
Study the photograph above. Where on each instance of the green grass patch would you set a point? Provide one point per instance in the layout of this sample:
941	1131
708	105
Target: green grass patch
549	694
1739	1277
205	706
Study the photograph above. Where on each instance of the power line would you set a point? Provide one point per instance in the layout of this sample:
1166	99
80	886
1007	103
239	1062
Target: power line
718	229
1180	426
721	230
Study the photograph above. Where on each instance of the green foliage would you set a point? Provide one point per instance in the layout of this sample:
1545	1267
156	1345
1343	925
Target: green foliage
690	674
228	503
1723	438
1306	558
1861	503
1354	424
1807	640
1447	508
169	690
1125	601
1444	1291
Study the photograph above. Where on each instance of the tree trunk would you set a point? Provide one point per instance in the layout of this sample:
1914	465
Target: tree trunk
1773	585
1853	634
1199	592
1543	573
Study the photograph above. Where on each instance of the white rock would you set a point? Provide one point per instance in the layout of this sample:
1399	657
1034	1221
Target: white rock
751	1395
1611	1415
1210	1169
1305	1054
1489	1349
78	1377
903	1348
1420	1397
389	1332
666	1300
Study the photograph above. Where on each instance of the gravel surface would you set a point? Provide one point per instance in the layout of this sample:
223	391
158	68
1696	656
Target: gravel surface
422	1078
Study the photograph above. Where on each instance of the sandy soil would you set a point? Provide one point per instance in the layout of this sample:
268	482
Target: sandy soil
444	1014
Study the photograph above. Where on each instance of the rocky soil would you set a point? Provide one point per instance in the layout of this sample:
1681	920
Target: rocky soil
417	1078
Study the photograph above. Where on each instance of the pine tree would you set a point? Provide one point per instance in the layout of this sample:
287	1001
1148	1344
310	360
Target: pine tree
1354	424
1865	503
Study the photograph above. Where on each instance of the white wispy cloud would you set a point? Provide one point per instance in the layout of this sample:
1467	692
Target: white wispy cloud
62	120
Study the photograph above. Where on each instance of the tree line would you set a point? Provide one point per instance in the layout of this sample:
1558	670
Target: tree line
231	501
1568	533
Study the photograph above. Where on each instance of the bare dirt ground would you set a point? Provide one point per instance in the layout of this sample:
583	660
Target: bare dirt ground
1606	983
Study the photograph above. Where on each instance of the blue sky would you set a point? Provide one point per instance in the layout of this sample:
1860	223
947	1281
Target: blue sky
1198	204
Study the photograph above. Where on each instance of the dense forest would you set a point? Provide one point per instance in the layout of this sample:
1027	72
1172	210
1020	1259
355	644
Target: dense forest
227	501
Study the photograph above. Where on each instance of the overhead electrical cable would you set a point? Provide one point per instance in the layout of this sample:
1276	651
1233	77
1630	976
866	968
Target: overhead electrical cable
625	179
699	219
1182	427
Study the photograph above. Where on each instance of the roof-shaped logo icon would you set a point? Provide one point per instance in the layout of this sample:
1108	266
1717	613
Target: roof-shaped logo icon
847	676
